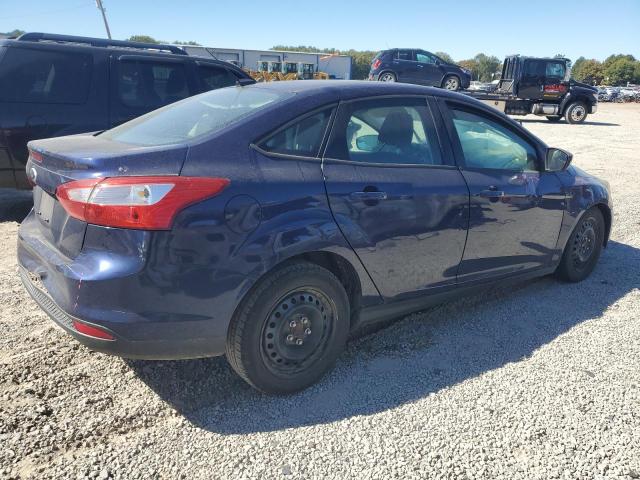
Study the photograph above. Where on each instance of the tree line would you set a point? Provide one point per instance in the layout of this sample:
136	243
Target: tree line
615	70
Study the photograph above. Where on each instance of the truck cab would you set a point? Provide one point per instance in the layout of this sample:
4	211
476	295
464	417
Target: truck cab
541	86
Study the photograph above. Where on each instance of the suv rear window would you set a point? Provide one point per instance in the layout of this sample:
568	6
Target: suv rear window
195	116
44	76
213	77
149	85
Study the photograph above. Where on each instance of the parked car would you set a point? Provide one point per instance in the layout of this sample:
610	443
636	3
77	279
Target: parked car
55	85
412	65
268	222
541	86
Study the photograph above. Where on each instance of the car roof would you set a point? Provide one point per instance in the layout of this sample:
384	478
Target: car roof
346	89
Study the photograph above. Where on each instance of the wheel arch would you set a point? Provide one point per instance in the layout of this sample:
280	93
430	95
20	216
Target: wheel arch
606	214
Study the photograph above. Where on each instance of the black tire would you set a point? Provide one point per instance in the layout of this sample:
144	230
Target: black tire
554	118
387	77
576	112
262	343
583	247
451	82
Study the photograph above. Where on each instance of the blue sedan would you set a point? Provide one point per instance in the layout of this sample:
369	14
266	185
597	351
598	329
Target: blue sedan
269	222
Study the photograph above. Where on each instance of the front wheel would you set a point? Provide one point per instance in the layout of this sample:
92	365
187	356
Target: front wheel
451	82
290	329
576	112
583	248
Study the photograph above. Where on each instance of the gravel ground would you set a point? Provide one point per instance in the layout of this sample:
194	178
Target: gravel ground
541	381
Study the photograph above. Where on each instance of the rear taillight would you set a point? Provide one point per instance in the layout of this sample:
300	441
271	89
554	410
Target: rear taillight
148	203
376	63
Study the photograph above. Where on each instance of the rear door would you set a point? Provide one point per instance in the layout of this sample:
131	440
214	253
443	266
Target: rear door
395	194
405	67
516	208
140	84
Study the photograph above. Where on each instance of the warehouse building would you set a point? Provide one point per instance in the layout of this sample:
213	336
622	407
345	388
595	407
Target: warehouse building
337	66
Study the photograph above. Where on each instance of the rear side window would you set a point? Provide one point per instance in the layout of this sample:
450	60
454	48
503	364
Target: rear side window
212	77
149	85
303	138
45	76
380	131
195	117
405	54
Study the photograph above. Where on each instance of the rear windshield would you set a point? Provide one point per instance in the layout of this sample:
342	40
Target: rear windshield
195	116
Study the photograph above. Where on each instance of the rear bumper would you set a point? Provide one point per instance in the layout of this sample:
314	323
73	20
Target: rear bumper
118	292
150	350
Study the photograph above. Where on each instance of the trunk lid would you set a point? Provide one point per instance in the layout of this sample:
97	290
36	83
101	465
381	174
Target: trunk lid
59	160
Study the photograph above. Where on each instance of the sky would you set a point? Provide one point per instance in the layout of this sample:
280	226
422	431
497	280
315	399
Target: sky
462	28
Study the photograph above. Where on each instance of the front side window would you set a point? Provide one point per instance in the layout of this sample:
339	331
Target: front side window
424	57
303	138
45	76
195	117
149	85
386	132
213	77
487	144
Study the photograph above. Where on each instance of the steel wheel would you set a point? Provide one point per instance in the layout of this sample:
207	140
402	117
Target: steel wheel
576	113
387	77
584	243
296	332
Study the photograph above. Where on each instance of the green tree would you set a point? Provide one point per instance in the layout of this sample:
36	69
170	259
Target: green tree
588	71
445	56
142	38
470	65
620	71
488	66
13	33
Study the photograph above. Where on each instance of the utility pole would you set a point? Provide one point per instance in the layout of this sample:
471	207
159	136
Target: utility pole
104	17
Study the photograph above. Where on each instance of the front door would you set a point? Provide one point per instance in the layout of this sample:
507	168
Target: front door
515	207
397	198
428	70
531	83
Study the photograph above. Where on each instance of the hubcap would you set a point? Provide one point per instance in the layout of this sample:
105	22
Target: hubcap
387	77
451	84
577	113
584	243
297	331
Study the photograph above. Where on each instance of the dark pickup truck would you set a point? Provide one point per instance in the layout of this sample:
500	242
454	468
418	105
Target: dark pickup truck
541	86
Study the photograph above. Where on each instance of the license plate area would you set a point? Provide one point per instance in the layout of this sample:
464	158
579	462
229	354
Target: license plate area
43	206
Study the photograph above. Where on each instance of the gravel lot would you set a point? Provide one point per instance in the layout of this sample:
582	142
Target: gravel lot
541	381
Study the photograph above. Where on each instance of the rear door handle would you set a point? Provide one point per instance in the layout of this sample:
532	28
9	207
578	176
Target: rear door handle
375	195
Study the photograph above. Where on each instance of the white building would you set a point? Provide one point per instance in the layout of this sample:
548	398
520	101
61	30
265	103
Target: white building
337	66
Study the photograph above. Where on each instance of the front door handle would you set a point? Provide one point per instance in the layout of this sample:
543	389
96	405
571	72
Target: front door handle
491	192
373	195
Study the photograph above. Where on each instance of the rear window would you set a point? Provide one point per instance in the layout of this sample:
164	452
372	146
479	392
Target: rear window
44	76
195	116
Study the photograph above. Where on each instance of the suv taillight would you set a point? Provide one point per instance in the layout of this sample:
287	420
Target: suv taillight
376	63
148	203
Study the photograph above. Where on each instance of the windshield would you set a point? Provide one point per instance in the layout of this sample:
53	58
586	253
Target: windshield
194	117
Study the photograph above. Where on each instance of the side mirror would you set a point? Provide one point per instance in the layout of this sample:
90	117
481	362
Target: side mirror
367	143
557	160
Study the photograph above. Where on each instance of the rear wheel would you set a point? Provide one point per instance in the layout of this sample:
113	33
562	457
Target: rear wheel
576	112
451	82
290	329
583	248
387	77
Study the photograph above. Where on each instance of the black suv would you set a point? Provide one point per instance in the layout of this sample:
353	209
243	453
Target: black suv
54	85
411	65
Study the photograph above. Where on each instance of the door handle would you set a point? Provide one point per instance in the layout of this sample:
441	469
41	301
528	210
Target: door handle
363	196
491	192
